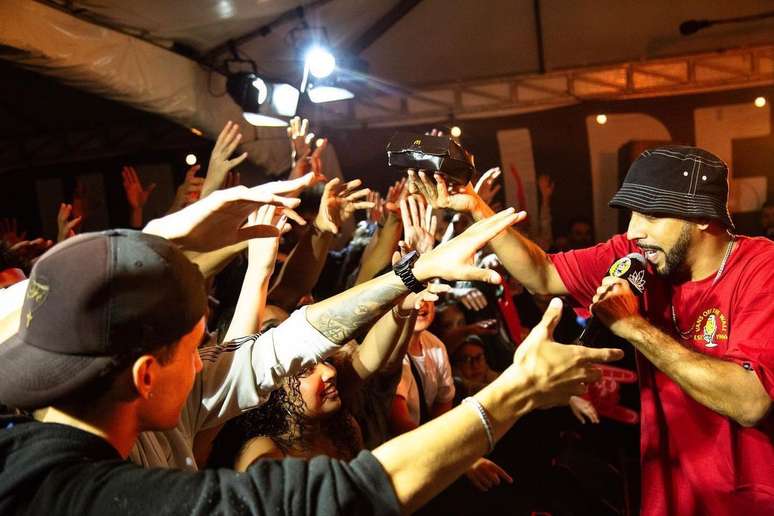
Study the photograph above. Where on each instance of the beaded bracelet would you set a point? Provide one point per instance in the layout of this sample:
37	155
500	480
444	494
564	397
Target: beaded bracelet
473	402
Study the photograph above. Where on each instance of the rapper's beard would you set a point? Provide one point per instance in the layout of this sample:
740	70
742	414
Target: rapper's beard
674	263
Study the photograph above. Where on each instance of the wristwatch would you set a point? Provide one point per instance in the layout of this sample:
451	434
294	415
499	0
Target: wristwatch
403	270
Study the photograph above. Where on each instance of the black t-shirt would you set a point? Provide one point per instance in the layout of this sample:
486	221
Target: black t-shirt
49	468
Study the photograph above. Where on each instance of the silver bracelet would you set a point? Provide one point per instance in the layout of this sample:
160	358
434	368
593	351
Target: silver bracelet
473	402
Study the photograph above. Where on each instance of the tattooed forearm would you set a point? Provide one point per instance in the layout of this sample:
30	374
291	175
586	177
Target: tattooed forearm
341	317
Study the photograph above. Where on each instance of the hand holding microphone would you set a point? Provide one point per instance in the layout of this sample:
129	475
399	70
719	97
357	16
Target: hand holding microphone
616	300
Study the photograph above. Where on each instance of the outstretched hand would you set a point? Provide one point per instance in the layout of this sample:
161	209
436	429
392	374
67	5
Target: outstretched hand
419	224
136	195
220	164
453	260
65	225
189	190
485	474
440	195
339	202
487	185
557	371
218	220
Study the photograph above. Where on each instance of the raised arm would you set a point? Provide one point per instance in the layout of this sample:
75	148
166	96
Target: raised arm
261	255
340	317
522	258
302	268
721	385
423	462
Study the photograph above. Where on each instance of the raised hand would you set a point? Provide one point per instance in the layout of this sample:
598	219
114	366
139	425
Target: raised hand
419	224
189	190
9	232
300	138
136	195
487	185
583	409
220	164
453	260
485	474
376	213
262	252
305	157
557	371
65	225
461	198
470	297
218	220
395	194
545	186
29	250
338	204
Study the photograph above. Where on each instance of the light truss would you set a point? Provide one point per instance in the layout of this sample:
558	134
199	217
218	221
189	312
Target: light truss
380	103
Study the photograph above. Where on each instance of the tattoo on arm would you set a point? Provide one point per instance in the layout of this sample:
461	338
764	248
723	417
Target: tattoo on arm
343	316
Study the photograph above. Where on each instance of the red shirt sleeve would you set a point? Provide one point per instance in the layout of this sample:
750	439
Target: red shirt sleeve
582	270
751	325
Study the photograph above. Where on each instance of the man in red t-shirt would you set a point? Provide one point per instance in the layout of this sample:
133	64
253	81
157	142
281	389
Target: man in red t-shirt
704	328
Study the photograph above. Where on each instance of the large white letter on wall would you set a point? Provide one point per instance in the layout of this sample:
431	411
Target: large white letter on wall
716	127
604	142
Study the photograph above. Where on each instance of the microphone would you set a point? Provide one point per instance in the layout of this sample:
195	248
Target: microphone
631	268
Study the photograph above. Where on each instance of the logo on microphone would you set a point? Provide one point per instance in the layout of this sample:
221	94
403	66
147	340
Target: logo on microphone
620	267
637	279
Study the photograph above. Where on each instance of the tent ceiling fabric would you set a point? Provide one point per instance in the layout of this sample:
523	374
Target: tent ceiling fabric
442	41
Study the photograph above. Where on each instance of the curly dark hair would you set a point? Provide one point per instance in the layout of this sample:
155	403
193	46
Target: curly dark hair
283	419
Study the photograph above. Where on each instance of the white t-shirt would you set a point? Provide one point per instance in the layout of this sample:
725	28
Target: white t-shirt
434	367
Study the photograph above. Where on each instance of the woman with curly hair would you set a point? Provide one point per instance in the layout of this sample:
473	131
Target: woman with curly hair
311	414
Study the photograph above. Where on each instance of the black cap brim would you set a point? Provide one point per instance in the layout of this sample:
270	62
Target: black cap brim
32	378
657	201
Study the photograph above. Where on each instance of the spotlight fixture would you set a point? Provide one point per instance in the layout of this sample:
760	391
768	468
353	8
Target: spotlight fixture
455	131
601	119
320	61
760	101
263	103
190	159
322	93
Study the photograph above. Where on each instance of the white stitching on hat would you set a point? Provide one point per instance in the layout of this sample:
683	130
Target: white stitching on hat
696	183
678	155
693	175
652	191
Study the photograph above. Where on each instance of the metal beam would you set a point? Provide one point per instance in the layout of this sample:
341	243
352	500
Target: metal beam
734	68
382	25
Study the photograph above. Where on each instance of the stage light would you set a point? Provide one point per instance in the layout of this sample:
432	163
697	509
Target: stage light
252	92
320	62
760	101
196	131
284	99
601	119
190	159
455	131
321	94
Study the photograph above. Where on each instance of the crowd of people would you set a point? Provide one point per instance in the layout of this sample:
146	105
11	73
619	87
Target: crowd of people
229	357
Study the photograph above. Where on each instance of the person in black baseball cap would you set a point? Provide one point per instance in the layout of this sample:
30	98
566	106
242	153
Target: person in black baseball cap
93	305
704	327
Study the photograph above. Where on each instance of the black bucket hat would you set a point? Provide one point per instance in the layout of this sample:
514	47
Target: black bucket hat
91	301
684	182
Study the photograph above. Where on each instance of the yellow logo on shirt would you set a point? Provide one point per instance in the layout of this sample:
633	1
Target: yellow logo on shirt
711	328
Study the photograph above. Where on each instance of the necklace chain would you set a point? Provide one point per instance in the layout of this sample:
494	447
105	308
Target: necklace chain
686	334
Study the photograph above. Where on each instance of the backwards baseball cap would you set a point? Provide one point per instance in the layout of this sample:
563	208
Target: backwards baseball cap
685	182
92	302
